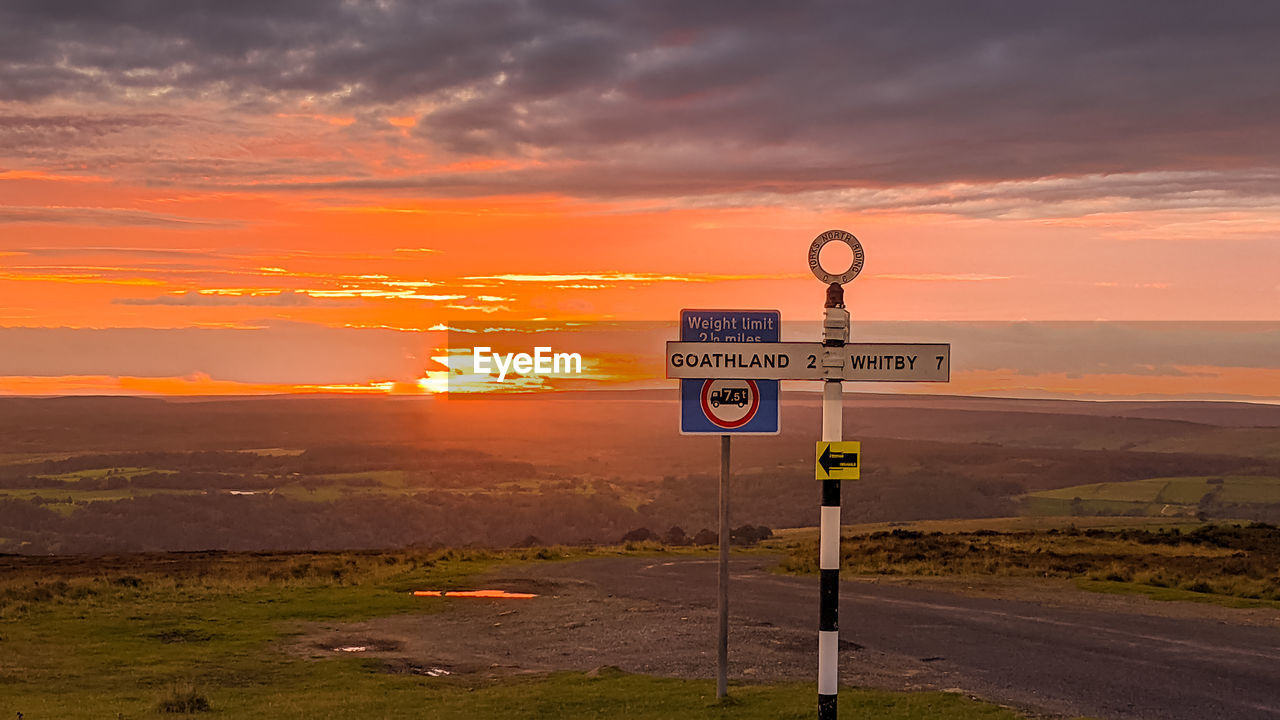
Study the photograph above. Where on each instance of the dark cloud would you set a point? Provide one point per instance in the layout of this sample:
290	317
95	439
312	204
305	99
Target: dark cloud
103	217
155	148
128	252
280	353
748	184
682	97
41	132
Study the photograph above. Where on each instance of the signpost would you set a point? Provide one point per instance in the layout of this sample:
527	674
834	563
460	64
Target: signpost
724	389
725	404
865	362
728	406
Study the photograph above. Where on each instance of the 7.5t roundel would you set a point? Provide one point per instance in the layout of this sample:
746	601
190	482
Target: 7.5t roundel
729	396
743	397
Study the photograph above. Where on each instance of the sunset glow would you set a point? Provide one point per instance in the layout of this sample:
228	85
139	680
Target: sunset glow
356	170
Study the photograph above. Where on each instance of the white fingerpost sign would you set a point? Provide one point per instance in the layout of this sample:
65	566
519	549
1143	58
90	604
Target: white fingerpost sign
723	385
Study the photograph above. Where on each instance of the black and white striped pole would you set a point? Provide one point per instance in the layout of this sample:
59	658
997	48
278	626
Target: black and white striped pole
835	333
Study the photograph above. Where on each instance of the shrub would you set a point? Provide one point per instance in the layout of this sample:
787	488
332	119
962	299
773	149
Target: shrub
676	536
749	535
706	537
184	699
640	535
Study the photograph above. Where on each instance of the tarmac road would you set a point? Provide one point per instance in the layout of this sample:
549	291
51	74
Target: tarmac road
1069	661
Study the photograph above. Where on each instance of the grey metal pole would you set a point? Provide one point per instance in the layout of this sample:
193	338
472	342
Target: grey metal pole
835	331
722	633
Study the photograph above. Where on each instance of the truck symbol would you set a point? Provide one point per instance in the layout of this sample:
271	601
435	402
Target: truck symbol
729	396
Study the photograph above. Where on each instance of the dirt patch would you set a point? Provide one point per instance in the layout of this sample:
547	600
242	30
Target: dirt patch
574	625
657	616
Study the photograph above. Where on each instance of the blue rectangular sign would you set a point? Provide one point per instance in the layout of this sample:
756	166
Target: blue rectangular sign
729	407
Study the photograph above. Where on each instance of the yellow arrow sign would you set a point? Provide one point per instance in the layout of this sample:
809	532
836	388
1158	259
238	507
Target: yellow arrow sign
837	460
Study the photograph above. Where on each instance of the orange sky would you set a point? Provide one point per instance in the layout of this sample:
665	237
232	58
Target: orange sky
203	186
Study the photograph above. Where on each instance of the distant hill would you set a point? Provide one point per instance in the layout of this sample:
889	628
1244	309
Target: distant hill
84	474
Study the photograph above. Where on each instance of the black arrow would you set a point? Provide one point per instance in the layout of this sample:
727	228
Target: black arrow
837	459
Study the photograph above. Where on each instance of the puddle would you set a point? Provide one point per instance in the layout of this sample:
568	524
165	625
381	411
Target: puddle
359	645
499	594
404	666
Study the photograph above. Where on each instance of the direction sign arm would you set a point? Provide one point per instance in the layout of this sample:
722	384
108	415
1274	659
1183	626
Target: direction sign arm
858	362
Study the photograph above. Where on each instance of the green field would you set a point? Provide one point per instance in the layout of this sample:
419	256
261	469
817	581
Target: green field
326	487
64	501
274	452
127	472
389	478
1259	490
125	636
1170	496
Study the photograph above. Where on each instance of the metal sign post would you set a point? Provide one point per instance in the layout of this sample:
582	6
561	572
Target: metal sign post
722	604
727	406
731	380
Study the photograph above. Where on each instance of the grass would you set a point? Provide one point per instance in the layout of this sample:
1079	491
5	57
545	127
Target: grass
1223	564
1005	524
1185	491
1170	594
1154	496
141	635
1188	490
323	493
1056	507
184	699
1136	491
64	499
66	502
275	452
346	688
386	478
90	495
26	457
1251	490
128	472
123	630
320	488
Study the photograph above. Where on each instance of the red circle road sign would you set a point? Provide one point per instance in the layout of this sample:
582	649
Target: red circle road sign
730	403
